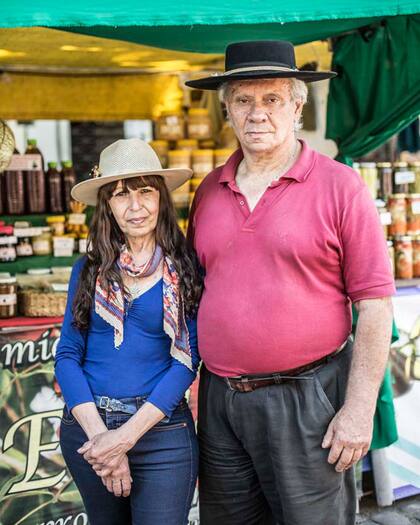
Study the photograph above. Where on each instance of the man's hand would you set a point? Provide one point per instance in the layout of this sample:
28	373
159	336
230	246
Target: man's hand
348	436
119	481
105	451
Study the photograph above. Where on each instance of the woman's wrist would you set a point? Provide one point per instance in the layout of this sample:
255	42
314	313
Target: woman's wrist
127	436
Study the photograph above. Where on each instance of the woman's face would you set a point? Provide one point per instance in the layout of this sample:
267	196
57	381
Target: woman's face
136	211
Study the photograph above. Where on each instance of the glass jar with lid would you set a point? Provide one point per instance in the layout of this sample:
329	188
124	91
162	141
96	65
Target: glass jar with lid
161	148
57	224
403	257
385	179
403	177
199	124
170	126
369	174
202	162
24	247
414	187
189	144
42	244
8	297
7	244
413	214
179	159
221	156
397	206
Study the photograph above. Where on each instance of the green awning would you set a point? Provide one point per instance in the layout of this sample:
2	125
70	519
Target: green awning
199	26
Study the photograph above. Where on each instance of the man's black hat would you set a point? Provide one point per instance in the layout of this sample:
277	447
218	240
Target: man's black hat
260	59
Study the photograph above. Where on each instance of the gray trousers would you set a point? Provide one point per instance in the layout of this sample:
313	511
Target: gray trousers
261	461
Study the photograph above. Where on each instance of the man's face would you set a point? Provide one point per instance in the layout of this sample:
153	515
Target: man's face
262	113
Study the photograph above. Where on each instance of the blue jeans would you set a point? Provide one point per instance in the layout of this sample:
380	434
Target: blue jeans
163	465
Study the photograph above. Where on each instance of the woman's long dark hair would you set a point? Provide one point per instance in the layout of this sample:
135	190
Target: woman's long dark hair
104	244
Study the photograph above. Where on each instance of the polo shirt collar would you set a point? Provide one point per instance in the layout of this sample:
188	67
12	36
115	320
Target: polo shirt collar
299	171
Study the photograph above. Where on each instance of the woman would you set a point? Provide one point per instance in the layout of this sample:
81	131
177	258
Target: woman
128	347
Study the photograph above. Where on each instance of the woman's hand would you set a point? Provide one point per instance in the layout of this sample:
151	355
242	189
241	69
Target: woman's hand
119	481
106	451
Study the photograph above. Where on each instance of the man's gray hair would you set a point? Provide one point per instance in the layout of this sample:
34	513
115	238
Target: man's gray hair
298	92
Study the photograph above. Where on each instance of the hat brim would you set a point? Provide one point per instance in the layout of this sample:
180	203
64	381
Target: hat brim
87	190
214	82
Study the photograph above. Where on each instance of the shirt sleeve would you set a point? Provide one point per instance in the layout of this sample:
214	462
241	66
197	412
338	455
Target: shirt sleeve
366	265
171	388
71	351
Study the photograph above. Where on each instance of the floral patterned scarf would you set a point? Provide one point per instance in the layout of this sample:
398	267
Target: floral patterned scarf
112	308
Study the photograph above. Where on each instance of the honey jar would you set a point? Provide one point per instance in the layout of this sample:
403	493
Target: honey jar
161	148
403	257
398	208
221	156
199	124
179	159
202	162
8	297
413	214
170	126
189	144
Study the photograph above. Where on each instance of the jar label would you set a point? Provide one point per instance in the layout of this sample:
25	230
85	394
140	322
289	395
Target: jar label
7	253
201	130
202	167
8	299
415	207
77	218
82	245
404	177
386	218
27	162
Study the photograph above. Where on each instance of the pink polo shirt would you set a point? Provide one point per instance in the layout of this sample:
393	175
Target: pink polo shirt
280	280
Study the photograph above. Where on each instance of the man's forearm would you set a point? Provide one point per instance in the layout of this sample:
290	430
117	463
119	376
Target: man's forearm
370	353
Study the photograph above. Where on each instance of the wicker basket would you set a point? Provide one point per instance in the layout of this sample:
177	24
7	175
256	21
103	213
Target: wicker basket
35	303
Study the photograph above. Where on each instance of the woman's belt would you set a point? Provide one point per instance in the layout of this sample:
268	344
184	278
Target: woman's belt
249	383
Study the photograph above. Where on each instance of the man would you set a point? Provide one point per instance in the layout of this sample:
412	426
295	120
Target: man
288	239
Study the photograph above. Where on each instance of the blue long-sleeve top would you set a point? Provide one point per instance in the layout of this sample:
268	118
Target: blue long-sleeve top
87	362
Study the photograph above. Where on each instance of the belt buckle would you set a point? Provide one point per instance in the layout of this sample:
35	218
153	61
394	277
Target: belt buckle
245	386
104	403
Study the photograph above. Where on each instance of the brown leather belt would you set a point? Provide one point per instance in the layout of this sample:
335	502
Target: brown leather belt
249	383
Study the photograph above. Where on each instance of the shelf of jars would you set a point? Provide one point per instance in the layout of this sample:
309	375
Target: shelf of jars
42	233
396	190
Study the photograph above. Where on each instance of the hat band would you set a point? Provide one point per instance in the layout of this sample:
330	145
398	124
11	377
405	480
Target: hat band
254	68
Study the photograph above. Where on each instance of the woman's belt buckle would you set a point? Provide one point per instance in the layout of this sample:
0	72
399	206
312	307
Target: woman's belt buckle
104	403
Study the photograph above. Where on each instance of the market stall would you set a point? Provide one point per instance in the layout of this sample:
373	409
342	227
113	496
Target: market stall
121	80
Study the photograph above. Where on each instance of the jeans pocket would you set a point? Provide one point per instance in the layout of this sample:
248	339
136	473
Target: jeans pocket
162	427
67	418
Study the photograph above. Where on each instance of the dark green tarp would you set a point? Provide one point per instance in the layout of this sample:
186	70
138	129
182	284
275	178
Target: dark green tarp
194	25
377	92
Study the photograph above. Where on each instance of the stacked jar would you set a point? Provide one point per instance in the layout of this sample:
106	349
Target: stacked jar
202	165
181	159
170	126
